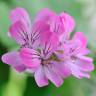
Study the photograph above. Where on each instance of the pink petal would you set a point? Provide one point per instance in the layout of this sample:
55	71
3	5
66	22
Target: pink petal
45	15
13	59
53	76
38	28
74	47
77	72
56	25
85	63
19	32
49	38
40	77
68	22
30	57
49	42
31	70
61	69
84	51
20	14
80	36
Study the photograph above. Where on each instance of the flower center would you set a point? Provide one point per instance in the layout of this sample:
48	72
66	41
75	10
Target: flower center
43	62
53	57
73	59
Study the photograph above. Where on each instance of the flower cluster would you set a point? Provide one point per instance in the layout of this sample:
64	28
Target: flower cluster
46	48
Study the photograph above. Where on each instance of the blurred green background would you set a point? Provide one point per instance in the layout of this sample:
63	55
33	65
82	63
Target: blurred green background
15	84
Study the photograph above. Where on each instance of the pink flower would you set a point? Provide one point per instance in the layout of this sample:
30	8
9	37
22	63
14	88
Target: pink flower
46	68
75	58
46	49
62	24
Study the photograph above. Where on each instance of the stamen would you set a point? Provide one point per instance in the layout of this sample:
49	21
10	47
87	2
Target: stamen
73	59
